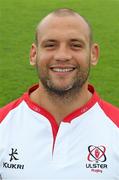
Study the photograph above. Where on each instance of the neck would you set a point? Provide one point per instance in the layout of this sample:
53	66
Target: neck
61	106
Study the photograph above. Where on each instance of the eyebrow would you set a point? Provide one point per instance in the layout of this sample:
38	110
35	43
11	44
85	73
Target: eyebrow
78	40
49	40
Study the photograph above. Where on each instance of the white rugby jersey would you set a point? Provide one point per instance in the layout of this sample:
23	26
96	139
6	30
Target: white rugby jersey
84	146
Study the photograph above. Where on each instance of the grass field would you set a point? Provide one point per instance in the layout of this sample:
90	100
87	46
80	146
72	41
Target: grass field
18	19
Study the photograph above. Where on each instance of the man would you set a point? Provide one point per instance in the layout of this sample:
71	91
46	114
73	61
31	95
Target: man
60	128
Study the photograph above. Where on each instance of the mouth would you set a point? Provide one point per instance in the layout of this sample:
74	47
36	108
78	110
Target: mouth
62	69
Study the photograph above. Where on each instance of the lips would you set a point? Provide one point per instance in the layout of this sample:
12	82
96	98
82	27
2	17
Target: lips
62	69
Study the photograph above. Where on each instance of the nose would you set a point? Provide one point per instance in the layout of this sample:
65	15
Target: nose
62	54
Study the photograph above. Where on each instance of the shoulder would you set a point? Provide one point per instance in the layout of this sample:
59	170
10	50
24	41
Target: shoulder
9	107
111	111
4	111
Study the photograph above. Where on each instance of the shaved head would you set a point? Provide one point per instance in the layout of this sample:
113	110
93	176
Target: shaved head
63	53
65	12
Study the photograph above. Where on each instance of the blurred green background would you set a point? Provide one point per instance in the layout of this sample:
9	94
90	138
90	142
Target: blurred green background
18	20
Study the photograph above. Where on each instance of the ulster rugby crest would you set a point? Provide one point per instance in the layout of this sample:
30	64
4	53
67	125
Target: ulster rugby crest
97	158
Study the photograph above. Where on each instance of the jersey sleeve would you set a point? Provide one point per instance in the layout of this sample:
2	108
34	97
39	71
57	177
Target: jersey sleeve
111	111
6	109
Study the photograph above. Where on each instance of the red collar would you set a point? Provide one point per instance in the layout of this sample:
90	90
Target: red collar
95	98
35	107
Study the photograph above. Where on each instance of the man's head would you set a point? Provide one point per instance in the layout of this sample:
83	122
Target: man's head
63	52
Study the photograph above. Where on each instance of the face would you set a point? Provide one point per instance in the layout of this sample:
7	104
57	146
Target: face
63	55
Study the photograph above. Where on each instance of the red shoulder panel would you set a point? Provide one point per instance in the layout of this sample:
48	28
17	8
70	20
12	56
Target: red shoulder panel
111	111
6	109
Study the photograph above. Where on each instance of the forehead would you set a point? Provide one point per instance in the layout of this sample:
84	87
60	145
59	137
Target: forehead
67	26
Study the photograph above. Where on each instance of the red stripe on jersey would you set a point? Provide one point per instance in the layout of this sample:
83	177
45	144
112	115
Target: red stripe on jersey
95	98
35	107
111	111
6	109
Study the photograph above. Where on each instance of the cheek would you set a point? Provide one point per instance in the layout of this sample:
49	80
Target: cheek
84	57
43	58
42	63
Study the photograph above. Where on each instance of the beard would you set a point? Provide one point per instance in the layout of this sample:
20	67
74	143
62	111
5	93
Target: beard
68	91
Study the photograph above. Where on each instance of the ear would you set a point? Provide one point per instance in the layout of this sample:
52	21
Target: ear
33	54
94	54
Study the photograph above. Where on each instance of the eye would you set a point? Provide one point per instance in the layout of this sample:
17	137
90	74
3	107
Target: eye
76	45
48	45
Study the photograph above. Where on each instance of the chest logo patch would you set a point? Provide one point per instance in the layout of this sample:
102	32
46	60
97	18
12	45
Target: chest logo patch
97	158
13	157
96	153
